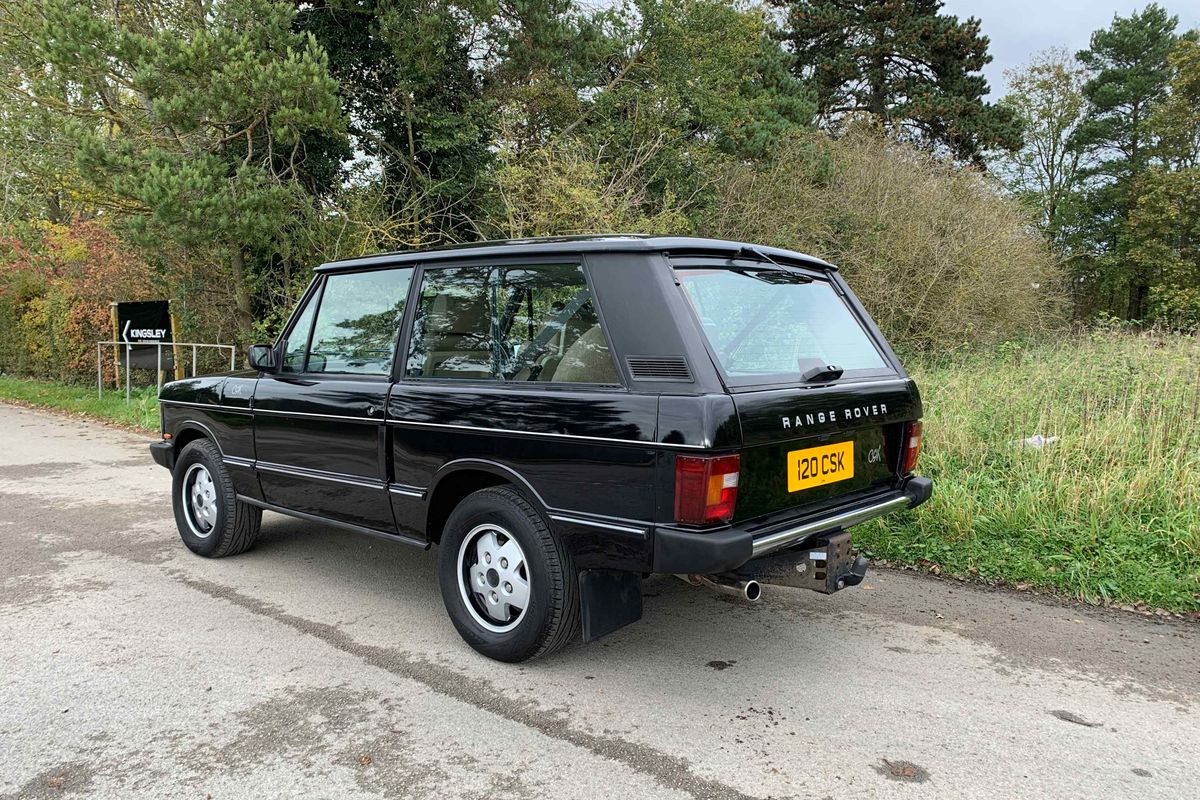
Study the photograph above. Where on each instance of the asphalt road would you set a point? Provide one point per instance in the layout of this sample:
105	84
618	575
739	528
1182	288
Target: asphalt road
321	664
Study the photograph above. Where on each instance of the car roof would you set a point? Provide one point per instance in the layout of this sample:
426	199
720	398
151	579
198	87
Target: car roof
609	243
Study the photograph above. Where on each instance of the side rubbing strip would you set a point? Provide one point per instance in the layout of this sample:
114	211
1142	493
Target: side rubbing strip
596	524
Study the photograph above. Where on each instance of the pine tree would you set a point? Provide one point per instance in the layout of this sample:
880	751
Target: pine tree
1129	75
187	120
913	69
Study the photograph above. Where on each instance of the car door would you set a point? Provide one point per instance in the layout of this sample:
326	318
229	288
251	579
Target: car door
319	420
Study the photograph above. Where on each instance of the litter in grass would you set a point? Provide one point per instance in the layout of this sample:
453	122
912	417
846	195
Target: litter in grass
1036	442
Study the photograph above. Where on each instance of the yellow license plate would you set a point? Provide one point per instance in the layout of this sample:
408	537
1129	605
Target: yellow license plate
817	466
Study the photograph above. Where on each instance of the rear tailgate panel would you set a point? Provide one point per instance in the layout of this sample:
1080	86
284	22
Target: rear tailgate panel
778	421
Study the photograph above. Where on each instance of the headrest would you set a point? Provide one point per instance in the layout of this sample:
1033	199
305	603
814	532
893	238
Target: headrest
454	313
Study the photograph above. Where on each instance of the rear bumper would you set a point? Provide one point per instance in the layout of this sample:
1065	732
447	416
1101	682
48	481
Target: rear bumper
163	454
699	553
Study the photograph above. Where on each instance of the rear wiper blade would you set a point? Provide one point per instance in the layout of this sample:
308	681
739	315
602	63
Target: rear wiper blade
754	251
776	276
826	372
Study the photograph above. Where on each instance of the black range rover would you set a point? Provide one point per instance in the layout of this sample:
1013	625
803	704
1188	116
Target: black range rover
563	417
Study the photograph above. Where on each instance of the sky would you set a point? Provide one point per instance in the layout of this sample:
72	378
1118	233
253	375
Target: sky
1020	28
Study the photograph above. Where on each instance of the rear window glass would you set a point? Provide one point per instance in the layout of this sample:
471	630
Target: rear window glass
771	325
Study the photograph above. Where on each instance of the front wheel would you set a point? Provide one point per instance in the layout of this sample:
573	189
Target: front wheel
211	520
508	583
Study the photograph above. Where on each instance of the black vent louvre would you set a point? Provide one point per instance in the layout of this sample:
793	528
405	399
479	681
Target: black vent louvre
659	368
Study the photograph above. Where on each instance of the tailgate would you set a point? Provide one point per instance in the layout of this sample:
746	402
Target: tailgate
808	446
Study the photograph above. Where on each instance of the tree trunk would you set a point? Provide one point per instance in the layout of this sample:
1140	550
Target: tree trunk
241	292
54	209
1138	292
877	102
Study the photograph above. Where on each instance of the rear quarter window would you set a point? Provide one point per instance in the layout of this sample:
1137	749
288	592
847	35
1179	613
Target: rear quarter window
522	323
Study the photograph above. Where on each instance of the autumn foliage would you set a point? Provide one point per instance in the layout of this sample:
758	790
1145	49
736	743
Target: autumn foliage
56	283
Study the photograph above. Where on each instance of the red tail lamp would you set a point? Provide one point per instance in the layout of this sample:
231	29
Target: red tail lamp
705	488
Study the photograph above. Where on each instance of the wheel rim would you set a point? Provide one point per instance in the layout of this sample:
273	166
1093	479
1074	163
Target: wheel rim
200	500
493	578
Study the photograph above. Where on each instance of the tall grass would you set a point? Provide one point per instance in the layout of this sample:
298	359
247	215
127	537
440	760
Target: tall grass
1111	512
140	412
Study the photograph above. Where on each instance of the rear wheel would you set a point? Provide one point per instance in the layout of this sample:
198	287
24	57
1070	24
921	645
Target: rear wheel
508	583
211	520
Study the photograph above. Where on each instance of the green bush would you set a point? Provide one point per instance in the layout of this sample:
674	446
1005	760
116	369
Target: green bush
939	256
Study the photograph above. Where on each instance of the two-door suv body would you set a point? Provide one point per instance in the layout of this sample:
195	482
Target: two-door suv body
563	417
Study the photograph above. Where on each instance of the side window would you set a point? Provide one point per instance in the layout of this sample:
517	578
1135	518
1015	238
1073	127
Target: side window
520	323
293	347
358	322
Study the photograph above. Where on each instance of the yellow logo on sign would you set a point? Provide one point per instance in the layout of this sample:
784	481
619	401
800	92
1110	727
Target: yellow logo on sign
817	466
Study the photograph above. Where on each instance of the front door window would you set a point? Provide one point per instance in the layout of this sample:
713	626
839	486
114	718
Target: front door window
358	322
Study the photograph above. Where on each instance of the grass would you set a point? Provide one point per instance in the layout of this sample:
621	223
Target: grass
140	413
1108	514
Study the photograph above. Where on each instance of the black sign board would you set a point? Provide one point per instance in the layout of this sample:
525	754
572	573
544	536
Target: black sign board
145	323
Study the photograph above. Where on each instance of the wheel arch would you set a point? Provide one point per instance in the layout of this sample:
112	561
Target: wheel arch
458	479
191	430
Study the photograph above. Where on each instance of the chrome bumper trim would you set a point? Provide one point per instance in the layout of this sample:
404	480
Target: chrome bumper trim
780	539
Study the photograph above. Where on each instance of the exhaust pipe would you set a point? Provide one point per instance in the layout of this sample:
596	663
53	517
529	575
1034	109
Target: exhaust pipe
750	591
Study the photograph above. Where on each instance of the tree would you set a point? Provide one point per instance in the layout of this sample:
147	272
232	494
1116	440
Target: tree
913	69
711	72
38	177
188	118
686	83
1129	74
1164	225
562	188
1176	121
1046	97
411	85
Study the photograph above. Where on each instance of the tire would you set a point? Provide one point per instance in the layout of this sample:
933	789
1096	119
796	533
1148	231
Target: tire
486	525
227	526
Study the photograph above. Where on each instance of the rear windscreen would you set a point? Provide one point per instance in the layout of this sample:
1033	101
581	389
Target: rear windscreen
769	326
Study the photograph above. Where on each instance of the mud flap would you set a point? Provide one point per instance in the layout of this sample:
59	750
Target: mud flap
609	599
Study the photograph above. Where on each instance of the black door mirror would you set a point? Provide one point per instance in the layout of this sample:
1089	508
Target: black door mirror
262	357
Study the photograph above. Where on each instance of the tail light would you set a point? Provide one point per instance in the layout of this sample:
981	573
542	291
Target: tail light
912	448
705	488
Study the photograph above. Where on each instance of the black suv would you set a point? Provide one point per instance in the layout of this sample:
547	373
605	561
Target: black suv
564	417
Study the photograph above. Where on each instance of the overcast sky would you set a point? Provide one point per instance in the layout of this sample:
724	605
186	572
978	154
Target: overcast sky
1020	28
